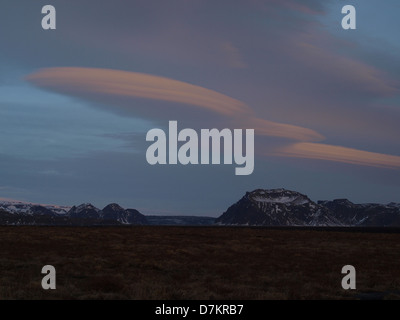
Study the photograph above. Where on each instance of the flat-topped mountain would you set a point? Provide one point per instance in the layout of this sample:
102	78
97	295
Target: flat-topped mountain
281	207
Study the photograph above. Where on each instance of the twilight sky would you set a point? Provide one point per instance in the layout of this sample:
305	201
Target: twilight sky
76	102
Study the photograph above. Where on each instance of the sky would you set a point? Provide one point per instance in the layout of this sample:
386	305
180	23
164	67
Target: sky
76	102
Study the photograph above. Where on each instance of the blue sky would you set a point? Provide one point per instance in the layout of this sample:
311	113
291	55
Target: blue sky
324	102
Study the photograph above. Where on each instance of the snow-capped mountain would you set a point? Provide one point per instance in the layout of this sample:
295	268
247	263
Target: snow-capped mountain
366	214
111	212
31	208
277	207
281	207
20	213
85	210
114	212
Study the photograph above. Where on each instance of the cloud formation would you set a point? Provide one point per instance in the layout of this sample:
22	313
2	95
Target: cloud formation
339	154
274	129
342	72
134	84
91	82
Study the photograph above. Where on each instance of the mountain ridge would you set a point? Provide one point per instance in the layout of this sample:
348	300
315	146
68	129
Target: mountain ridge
260	207
84	214
281	207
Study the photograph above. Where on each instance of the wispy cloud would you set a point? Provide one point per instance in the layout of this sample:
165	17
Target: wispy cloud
91	82
132	84
339	154
346	73
94	83
274	129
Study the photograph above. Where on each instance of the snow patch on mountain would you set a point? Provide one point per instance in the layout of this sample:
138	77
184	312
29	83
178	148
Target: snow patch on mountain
281	207
21	207
18	212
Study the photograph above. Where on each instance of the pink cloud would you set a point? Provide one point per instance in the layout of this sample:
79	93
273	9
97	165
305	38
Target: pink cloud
339	154
264	127
135	85
132	85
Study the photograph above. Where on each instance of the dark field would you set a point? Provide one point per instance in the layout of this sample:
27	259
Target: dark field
197	263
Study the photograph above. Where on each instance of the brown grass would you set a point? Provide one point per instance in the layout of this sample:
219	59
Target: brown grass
195	263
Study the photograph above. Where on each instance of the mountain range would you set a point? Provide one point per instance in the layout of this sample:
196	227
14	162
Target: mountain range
20	213
281	207
261	207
